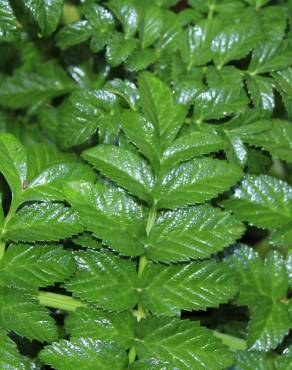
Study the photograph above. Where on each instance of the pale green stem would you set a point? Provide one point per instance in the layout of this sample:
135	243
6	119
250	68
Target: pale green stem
10	214
233	343
151	218
2	250
278	169
12	210
211	12
132	355
59	301
142	265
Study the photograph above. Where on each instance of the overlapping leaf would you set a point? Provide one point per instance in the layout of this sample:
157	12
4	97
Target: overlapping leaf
9	355
125	167
195	182
194	286
263	201
263	287
191	144
104	280
277	140
41	222
12	162
110	213
38	172
85	352
46	13
194	232
158	106
28	89
8	23
234	42
103	325
261	91
180	344
35	266
270	56
20	312
134	124
73	34
196	47
268	325
218	102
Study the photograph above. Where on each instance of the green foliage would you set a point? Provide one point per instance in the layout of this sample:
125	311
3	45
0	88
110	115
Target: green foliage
46	13
145	184
264	286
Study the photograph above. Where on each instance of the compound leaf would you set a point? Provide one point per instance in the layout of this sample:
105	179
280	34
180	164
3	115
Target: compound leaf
258	278
263	284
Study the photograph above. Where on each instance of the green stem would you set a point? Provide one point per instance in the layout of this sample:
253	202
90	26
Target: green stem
211	12
141	313
151	218
132	355
142	265
2	250
233	343
10	214
59	301
150	223
12	210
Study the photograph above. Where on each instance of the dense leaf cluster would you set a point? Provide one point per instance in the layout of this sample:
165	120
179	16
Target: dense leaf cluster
146	184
